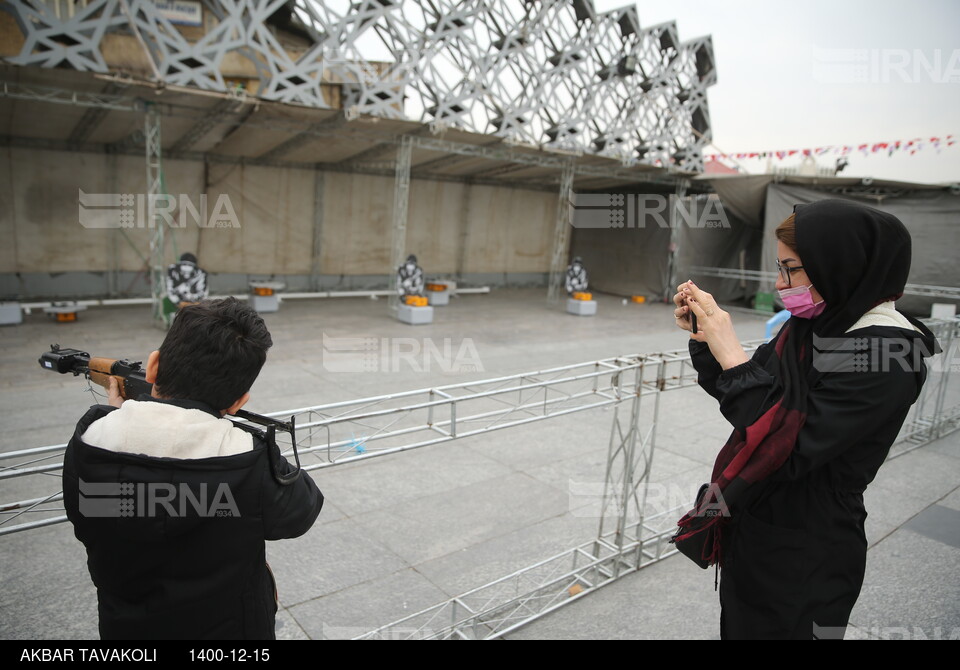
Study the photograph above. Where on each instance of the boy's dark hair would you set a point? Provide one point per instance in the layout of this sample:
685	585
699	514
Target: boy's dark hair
213	353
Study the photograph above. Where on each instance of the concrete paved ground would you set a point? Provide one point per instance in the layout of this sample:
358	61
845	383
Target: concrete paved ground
403	532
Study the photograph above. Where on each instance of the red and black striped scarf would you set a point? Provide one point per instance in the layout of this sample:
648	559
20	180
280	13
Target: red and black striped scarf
752	454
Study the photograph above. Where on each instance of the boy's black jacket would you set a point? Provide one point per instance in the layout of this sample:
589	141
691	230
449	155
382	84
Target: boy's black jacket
199	572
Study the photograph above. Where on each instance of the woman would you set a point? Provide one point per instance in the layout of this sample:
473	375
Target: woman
814	412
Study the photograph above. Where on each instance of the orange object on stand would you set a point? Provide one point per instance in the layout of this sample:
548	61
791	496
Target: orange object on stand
582	296
64	312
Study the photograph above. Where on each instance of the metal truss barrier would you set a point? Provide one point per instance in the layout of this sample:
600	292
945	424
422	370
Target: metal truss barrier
354	430
636	540
547	73
627	539
937	411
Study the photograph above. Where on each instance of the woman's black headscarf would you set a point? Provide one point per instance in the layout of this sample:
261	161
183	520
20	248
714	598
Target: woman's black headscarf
856	257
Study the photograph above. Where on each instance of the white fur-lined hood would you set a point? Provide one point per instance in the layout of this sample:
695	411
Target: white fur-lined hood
163	430
884	314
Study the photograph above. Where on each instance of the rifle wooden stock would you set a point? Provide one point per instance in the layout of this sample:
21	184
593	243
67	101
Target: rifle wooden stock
132	383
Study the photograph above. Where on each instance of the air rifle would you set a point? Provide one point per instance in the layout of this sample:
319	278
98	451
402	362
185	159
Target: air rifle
132	382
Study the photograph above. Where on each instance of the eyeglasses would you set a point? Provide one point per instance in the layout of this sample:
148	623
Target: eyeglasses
786	270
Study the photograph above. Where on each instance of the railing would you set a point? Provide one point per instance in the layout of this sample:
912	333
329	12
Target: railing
628	538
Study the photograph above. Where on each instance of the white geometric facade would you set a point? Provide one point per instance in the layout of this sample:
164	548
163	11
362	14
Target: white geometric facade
547	73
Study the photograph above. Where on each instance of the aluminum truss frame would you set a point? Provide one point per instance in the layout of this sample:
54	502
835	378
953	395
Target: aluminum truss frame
401	199
499	152
561	233
937	411
355	430
548	73
155	190
627	539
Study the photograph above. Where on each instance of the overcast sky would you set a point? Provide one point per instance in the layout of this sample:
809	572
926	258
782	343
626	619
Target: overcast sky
816	73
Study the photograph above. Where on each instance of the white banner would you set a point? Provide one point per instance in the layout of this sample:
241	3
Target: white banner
181	12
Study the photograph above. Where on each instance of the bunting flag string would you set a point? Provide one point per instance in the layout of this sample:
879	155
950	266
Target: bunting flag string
909	147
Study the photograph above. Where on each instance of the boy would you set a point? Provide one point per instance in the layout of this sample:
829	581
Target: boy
181	553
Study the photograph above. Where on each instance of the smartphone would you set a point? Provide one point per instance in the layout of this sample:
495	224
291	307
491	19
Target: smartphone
692	318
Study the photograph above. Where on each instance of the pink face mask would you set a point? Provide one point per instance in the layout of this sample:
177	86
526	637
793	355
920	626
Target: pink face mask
799	302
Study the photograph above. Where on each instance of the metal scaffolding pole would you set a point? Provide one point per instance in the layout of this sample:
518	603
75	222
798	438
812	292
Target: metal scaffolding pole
319	188
561	232
155	190
113	246
629	464
620	485
401	198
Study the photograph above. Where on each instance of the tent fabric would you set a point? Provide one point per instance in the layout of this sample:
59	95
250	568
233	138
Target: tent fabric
744	196
625	261
931	216
736	245
634	258
931	212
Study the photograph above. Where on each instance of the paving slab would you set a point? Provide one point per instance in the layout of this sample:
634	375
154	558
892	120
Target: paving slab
403	532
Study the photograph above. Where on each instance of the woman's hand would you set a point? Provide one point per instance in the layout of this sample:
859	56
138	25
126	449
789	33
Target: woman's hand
682	313
714	326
